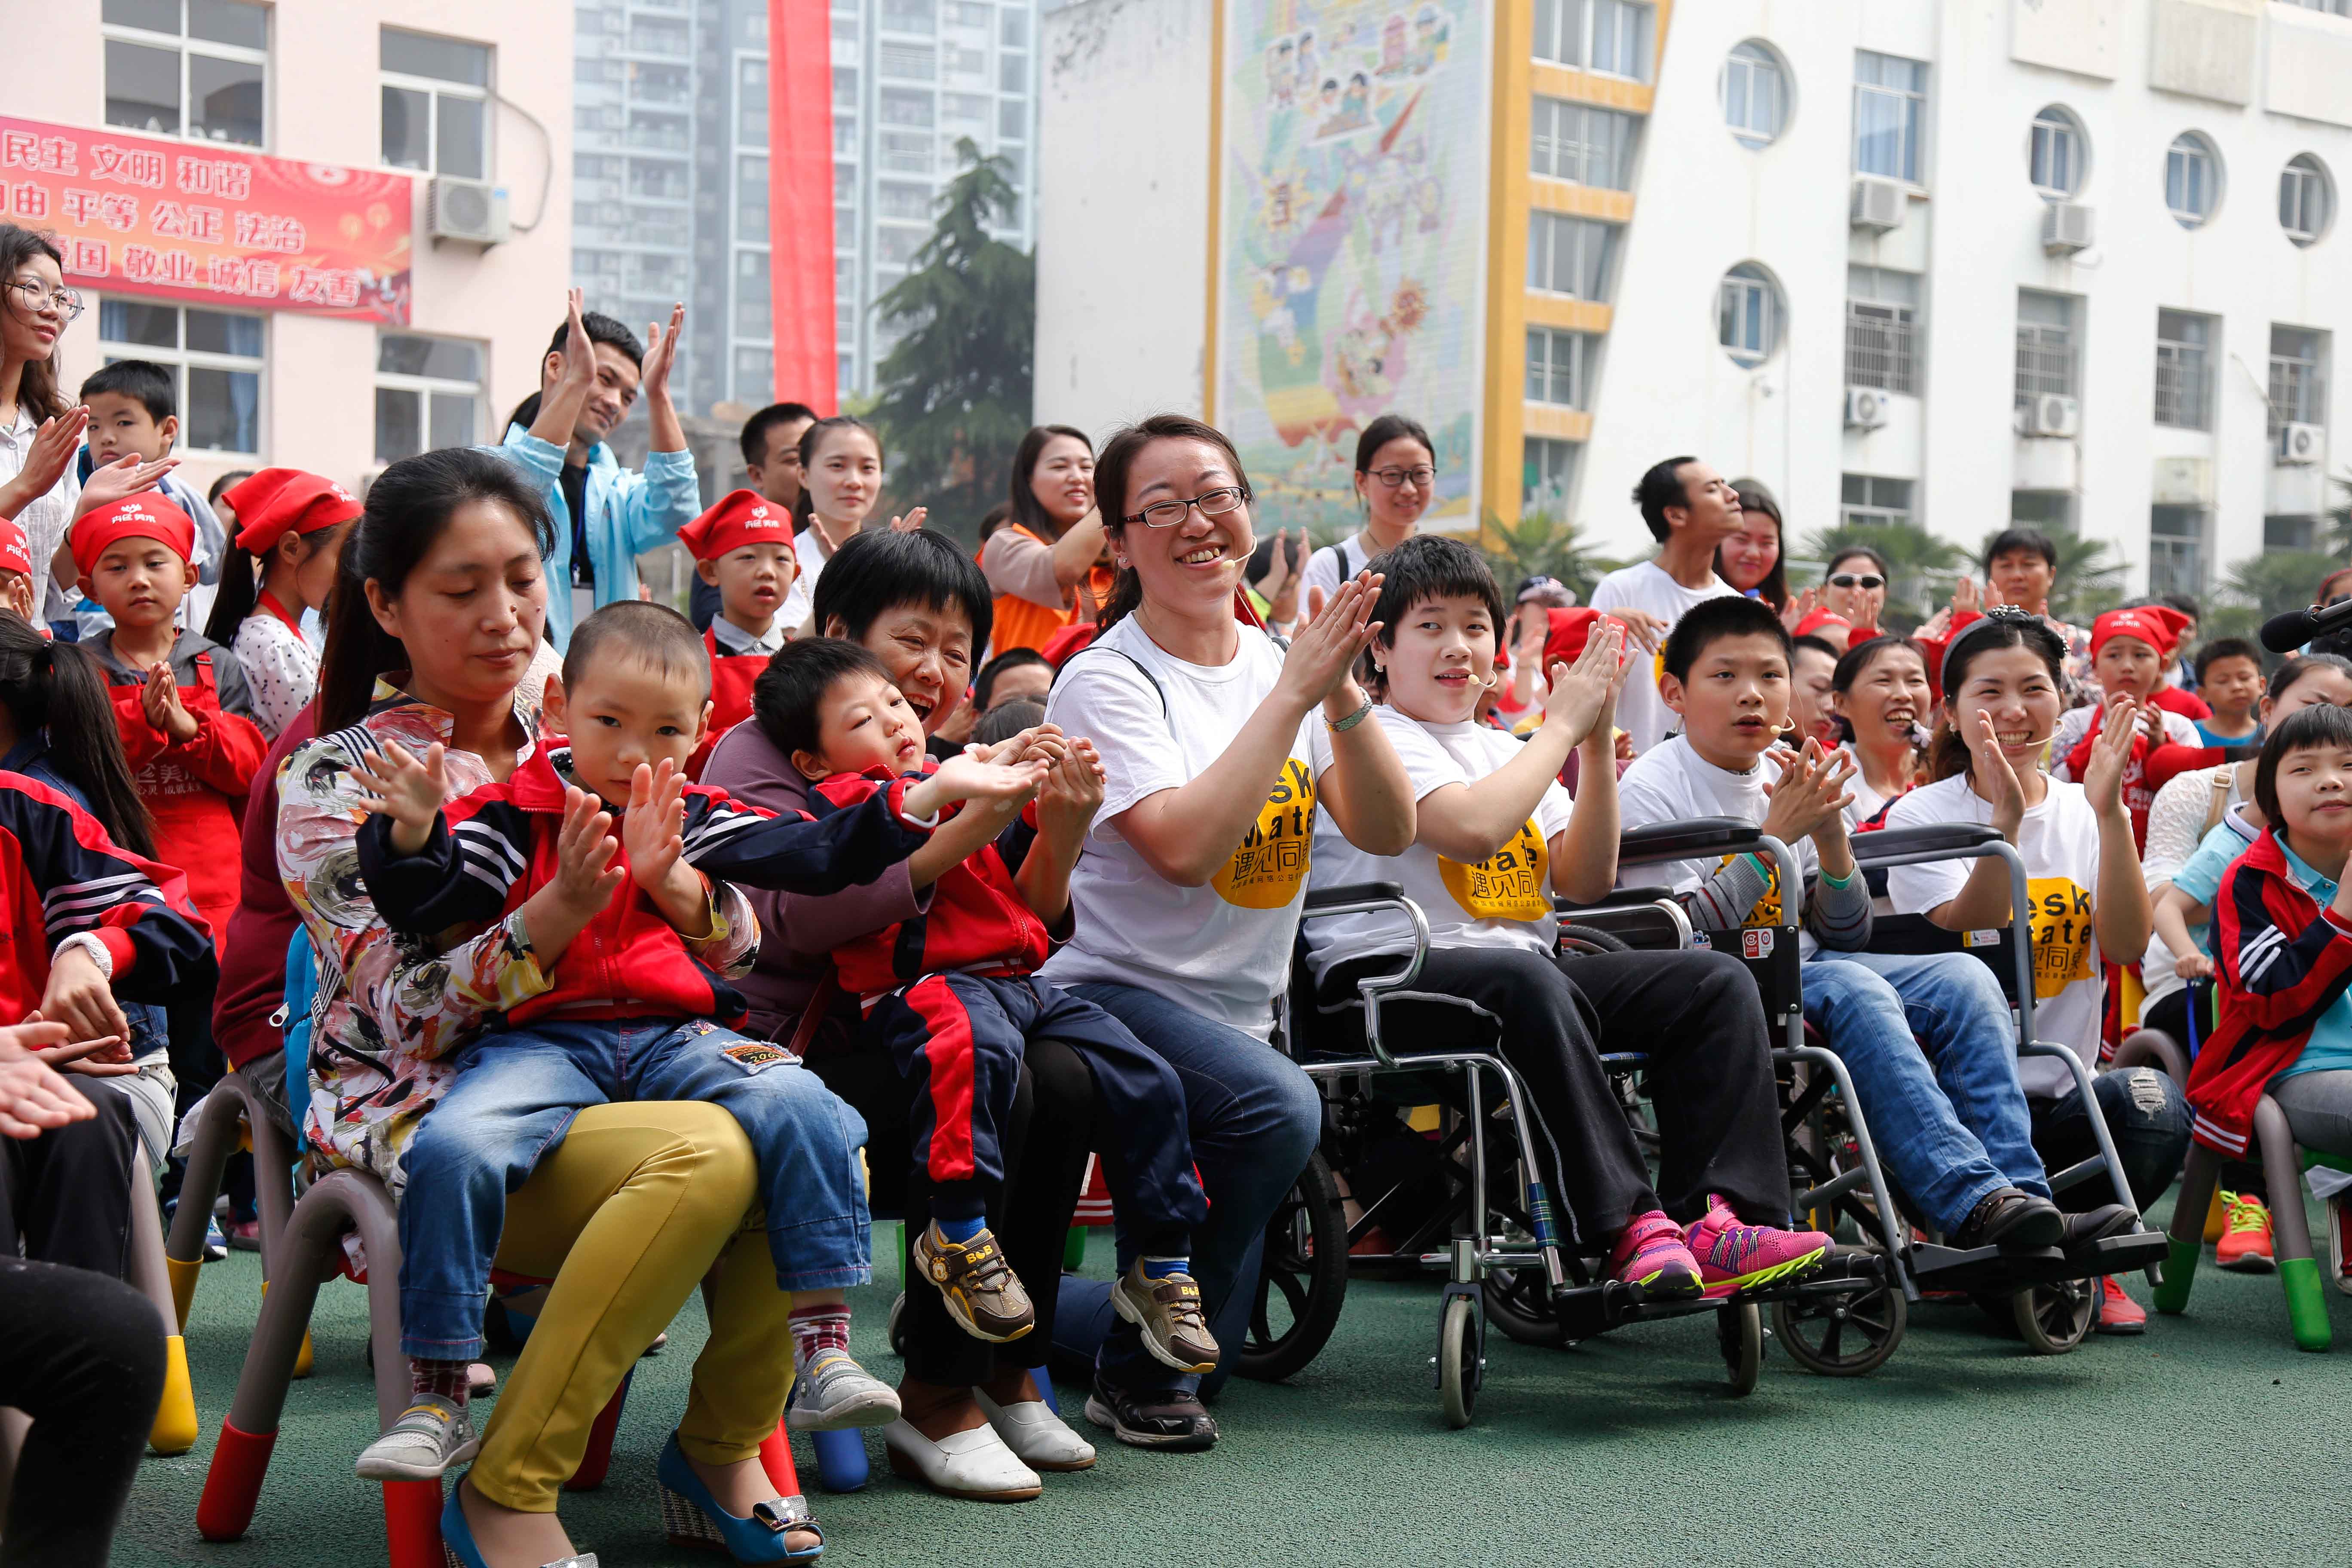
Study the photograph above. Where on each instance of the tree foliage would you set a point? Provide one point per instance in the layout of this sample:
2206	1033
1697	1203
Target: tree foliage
952	395
1921	566
1542	545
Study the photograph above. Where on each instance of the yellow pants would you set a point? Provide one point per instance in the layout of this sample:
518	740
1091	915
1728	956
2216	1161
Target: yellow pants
627	1216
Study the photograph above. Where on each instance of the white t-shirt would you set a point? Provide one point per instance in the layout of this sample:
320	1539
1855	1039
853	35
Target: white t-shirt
1641	711
1332	565
2059	841
1672	783
1221	949
1504	901
809	551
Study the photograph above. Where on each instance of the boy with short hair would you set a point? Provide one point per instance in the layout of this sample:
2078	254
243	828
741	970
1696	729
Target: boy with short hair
1690	509
2229	679
954	997
133	411
623	874
1946	1109
742	547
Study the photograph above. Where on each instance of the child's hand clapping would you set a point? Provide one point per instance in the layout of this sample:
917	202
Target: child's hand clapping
1072	792
406	789
653	830
585	877
165	712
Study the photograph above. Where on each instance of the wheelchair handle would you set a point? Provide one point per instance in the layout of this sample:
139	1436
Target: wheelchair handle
1940	838
1365	898
1687	840
1323	899
1917	846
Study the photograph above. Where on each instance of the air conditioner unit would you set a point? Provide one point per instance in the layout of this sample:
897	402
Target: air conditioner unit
2301	445
2067	228
469	210
2051	414
1879	204
1866	408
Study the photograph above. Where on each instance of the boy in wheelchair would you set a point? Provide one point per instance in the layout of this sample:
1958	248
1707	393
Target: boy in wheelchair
1929	1040
1497	839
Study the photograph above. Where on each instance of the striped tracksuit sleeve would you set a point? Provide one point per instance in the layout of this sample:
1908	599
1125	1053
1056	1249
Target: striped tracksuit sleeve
87	882
2281	979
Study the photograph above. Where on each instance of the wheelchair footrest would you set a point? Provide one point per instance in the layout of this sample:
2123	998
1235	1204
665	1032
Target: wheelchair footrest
1844	1272
2123	1254
1985	1270
1587	1311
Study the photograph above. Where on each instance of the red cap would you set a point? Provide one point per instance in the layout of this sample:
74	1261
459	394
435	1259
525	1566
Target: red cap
275	502
1571	629
2159	626
144	516
1819	619
740	518
15	553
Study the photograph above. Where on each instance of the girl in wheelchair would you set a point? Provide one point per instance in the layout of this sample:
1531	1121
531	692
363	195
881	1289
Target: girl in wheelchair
1496	839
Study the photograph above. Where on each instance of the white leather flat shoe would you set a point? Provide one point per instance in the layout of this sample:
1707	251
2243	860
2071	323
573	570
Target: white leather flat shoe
974	1464
1037	1437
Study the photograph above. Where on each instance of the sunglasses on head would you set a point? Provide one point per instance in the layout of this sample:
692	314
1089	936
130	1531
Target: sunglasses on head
1850	580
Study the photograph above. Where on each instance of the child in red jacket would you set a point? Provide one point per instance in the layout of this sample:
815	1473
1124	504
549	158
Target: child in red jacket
953	995
2130	652
743	548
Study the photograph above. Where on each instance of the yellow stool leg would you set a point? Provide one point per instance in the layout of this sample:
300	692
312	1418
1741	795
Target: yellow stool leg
174	1431
183	1285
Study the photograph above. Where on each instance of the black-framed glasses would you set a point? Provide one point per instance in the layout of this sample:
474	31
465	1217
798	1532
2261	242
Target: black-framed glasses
1422	477
1169	513
38	297
1866	580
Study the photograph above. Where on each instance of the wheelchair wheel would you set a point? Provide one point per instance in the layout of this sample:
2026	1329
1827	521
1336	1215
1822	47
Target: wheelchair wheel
1458	1361
2054	1319
1584	939
1842	1336
1302	1279
1739	1330
1519	1302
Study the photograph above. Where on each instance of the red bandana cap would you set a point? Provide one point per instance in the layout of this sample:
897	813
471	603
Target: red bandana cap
146	516
1819	619
275	502
2159	626
15	553
740	518
1571	629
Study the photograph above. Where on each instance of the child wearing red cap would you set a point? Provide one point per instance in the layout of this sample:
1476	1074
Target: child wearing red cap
2129	649
743	548
16	572
289	541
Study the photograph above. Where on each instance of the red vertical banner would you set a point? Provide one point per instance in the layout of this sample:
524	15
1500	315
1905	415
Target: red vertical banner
800	199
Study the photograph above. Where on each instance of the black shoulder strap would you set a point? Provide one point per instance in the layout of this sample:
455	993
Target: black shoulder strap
1159	690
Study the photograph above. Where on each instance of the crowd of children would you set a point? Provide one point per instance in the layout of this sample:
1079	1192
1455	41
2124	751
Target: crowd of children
1034	825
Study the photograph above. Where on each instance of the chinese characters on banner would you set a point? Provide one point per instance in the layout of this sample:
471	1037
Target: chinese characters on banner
193	221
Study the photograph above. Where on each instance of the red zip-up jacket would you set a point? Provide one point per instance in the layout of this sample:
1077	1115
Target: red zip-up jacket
60	874
2284	962
978	920
490	850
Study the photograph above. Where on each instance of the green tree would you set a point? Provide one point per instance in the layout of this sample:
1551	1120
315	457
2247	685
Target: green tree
2090	578
952	395
1542	545
2260	587
1920	565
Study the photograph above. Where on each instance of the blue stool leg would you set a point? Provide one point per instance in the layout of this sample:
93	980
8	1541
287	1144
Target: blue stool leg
1045	1381
841	1462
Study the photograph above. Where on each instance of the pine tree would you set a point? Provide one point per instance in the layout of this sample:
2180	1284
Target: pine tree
953	393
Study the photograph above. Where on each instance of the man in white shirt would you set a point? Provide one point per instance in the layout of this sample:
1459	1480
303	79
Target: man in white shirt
1690	510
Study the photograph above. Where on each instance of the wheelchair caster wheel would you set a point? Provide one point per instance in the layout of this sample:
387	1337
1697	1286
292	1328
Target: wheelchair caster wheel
1842	1336
2054	1319
1739	1329
1302	1279
1459	1362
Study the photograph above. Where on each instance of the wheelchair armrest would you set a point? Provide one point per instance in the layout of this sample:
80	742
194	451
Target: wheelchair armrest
1931	838
1616	900
1353	893
1687	840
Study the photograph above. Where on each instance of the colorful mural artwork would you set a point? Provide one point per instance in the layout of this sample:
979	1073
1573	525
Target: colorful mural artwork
1354	245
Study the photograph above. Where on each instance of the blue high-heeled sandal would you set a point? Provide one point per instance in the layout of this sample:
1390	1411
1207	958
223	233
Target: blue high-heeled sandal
692	1517
458	1541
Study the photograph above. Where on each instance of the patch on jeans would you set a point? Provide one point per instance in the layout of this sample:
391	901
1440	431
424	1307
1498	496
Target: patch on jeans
2147	1086
755	1056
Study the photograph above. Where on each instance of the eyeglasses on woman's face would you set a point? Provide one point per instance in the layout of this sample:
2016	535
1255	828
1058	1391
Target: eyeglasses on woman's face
40	296
1864	581
1169	513
1421	478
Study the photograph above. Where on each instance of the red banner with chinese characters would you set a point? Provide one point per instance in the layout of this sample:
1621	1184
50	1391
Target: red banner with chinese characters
209	225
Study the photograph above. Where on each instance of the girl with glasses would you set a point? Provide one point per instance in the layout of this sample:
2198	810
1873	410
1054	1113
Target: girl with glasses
1396	480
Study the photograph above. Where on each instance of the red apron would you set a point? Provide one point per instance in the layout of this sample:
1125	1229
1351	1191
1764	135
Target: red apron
195	792
731	674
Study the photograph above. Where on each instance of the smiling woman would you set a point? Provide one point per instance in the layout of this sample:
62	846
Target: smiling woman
1046	564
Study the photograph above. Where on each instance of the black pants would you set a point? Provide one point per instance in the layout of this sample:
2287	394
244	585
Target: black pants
67	1191
1698	1017
1045	1138
2149	1117
85	1361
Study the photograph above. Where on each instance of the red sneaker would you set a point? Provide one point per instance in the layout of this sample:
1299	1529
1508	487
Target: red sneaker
2118	1313
2245	1244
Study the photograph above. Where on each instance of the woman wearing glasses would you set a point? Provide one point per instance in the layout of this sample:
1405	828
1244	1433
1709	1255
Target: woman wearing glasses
1396	479
1855	587
1218	745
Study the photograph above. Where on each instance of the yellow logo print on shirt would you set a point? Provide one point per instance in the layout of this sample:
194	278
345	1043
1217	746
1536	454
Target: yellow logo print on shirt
1767	911
1265	872
2063	930
1509	885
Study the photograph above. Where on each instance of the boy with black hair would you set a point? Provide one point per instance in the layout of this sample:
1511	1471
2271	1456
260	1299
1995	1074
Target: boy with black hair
742	550
2229	680
1946	1109
1690	509
133	411
770	443
1016	675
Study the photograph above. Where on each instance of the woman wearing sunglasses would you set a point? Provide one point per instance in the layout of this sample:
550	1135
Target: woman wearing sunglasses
1396	479
1855	587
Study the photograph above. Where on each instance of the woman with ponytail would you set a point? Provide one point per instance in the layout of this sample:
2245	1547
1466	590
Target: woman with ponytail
57	725
289	542
1879	693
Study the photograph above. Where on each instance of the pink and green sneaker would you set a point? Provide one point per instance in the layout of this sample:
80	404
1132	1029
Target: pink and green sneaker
1651	1253
1736	1256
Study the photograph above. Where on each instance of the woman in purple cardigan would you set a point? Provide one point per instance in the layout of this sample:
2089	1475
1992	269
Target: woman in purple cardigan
974	1424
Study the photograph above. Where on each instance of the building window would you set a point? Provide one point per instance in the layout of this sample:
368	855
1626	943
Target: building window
1559	367
1569	254
892	199
755	311
2306	204
428	394
755	375
904	154
2193	179
1874	501
1881	320
752	199
2046	357
1611	37
2297	535
2332	7
2298	377
1013	118
1013	73
1589	146
436	111
910	62
899	107
1550	470
1890	98
2184	370
1748	309
2046	511
215	362
1754	93
911	15
188	68
2055	162
752	103
2176	549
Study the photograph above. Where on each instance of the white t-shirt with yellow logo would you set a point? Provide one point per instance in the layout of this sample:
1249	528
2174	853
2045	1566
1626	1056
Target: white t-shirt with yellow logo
1504	901
2059	841
1672	783
1222	950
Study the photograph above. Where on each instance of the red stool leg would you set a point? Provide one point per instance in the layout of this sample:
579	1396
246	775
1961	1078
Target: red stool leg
598	1457
776	1458
232	1485
412	1523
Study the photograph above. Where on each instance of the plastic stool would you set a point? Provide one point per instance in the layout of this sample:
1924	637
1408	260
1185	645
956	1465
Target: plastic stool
2282	1162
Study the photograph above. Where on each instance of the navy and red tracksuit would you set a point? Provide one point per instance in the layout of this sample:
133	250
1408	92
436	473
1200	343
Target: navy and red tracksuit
953	996
2284	962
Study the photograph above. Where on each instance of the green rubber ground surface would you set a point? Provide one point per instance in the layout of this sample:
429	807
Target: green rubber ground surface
2207	1440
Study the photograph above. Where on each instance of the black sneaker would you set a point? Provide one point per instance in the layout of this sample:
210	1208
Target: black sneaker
2013	1221
2099	1224
1169	1418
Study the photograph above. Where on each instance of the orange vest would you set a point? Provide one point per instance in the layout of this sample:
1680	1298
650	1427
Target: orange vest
1024	623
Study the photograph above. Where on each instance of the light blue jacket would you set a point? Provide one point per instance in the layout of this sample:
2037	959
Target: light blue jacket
627	515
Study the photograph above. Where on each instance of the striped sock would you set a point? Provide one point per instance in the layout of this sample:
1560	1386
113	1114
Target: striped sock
816	1329
450	1379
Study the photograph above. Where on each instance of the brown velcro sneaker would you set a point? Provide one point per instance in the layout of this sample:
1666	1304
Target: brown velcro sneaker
1168	1310
981	1292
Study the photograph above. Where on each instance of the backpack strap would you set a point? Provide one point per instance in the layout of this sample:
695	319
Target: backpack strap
2222	777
